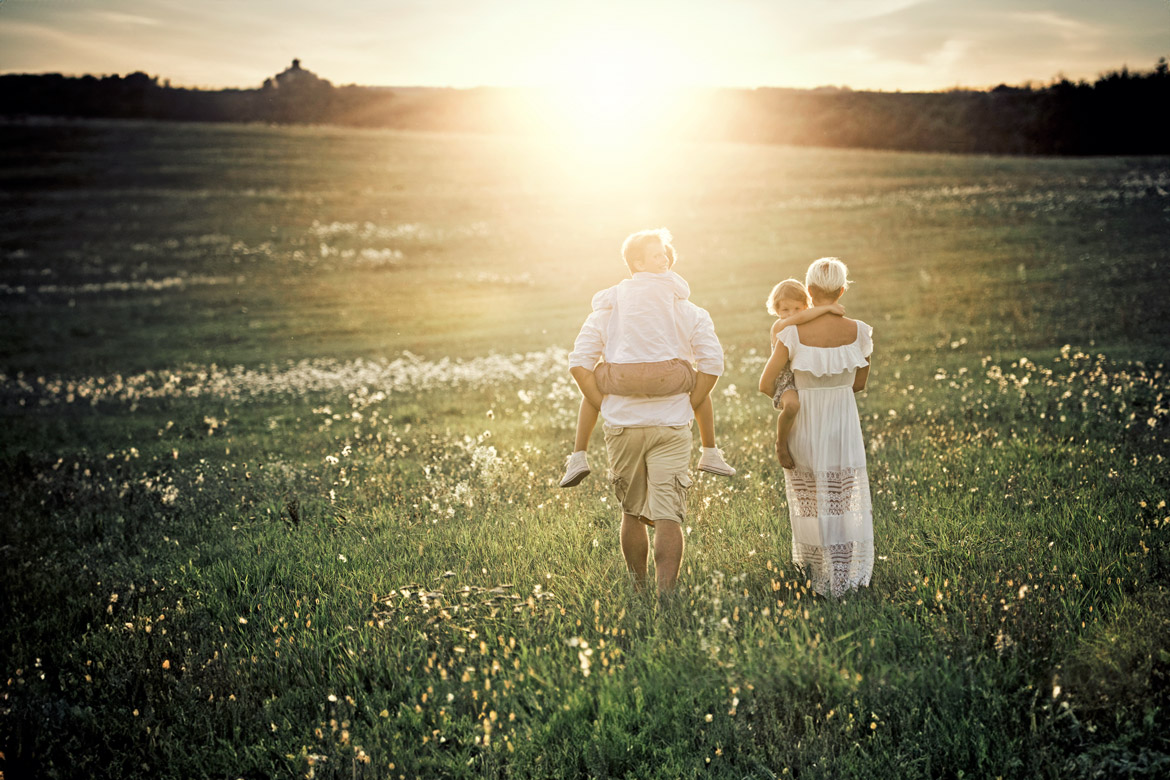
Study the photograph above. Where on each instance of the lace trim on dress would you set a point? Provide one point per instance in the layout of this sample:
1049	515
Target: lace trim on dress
832	497
835	493
836	568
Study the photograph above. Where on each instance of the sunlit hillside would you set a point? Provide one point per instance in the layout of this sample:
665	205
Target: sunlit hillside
284	410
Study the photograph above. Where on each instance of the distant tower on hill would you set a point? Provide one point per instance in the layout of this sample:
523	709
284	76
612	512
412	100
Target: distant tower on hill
296	77
297	95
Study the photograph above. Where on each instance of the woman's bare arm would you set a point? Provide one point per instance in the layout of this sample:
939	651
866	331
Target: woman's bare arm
861	377
773	368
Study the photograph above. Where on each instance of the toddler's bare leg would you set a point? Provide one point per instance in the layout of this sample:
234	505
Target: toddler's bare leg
791	402
586	422
705	417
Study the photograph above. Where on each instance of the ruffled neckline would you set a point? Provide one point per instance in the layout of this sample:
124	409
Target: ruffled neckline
827	361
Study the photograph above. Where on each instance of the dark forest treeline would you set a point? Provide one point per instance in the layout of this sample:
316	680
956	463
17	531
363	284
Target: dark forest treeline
1121	113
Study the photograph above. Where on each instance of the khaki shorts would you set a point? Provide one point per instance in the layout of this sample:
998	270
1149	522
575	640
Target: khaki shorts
648	470
668	377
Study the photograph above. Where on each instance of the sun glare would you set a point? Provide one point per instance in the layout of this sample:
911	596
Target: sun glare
612	91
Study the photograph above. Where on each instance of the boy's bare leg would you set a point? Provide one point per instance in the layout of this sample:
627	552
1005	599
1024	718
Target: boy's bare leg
577	464
586	422
711	459
705	417
636	548
791	405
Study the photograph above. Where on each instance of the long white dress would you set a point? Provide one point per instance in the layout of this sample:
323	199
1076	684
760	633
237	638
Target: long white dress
828	490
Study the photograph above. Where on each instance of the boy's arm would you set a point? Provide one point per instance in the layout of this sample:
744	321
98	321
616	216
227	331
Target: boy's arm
704	384
588	384
806	315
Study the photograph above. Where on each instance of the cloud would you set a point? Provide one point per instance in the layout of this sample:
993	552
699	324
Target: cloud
116	17
36	46
866	44
938	43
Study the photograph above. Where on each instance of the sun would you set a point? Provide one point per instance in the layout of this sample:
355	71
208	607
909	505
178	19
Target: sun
614	89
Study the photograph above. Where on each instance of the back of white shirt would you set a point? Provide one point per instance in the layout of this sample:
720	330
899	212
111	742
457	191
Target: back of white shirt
643	327
647	319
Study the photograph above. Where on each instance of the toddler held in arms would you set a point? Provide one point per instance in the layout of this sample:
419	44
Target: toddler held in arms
651	362
789	303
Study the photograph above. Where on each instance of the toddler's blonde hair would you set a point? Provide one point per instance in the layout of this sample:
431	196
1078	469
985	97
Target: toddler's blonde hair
787	290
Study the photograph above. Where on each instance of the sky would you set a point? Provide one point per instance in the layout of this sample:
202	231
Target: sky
908	45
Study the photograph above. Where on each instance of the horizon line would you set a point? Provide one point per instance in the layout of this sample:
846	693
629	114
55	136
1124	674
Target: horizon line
664	87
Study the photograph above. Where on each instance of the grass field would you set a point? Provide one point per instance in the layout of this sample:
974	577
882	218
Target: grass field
284	411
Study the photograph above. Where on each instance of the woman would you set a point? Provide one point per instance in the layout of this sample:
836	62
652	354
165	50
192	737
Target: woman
828	489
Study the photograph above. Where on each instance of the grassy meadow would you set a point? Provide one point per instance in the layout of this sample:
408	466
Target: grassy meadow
284	410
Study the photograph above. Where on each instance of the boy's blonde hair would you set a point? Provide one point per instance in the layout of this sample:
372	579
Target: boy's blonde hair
787	290
634	247
828	275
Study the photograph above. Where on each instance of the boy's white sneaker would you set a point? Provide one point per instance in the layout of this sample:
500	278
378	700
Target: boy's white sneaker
712	461
576	469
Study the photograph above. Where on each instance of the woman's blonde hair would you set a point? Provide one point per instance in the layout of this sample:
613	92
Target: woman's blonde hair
787	290
827	275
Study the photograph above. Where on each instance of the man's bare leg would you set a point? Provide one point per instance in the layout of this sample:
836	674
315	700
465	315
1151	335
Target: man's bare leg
635	548
669	545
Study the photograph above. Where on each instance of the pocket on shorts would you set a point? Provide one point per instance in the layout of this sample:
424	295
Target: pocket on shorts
682	484
620	486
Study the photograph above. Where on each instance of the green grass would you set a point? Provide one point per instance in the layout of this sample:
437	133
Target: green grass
293	512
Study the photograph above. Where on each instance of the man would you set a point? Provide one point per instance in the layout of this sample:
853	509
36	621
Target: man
648	438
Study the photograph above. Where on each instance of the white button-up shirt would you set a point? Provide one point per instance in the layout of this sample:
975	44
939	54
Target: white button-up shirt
647	319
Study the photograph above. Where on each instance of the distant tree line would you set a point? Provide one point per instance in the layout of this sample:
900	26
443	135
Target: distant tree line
1120	113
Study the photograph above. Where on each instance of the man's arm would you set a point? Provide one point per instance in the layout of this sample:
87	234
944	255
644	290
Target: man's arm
704	384
708	354
587	350
587	381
